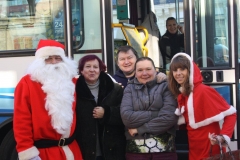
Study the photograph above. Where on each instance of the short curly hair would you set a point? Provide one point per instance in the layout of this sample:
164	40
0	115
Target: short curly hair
87	58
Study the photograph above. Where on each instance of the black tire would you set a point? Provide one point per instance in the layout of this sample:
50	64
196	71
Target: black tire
8	147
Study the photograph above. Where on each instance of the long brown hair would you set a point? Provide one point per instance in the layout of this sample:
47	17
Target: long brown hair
183	63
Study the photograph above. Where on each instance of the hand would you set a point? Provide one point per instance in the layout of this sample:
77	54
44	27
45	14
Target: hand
161	76
133	132
35	158
214	139
98	112
180	28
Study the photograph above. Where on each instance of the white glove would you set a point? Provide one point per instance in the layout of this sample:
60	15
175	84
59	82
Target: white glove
35	158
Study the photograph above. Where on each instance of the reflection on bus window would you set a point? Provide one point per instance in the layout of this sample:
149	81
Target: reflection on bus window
77	23
212	33
221	54
24	22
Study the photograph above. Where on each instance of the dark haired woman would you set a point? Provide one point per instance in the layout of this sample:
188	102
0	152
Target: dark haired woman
200	107
100	131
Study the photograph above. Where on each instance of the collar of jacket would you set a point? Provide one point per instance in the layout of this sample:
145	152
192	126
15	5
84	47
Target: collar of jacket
106	85
120	74
168	34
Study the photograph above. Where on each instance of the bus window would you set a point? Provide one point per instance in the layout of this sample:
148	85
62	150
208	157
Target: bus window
212	33
23	23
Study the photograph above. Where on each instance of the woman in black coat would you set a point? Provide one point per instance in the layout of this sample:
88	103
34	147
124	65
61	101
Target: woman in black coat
100	131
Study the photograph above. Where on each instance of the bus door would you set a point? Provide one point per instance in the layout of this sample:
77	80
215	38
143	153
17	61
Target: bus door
212	44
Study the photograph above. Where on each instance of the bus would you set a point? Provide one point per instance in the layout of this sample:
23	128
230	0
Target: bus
212	38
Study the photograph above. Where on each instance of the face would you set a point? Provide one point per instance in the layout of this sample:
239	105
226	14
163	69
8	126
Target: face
172	26
91	71
180	75
54	59
145	71
126	62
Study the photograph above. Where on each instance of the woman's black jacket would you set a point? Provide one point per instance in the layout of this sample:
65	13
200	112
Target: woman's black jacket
110	127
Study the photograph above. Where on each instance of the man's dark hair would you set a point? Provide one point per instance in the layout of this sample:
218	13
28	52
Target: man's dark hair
125	49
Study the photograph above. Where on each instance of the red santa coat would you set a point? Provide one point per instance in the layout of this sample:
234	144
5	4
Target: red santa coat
201	111
32	122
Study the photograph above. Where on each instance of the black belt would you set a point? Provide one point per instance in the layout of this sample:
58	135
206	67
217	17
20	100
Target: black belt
46	143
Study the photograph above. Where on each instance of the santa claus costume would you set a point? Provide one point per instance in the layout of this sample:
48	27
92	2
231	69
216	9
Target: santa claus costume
44	107
201	111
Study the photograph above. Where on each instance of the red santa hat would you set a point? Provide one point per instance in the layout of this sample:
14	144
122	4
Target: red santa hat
48	47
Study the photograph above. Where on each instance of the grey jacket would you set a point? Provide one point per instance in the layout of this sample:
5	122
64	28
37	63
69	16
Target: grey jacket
149	108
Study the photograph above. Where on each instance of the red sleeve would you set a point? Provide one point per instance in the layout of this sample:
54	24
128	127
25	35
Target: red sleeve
22	120
228	125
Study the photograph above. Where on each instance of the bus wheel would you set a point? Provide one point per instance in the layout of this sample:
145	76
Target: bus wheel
8	147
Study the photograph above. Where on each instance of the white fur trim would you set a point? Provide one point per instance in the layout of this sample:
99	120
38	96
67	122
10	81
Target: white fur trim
66	149
182	54
68	153
114	81
181	120
227	139
210	120
177	112
28	153
190	109
47	51
182	110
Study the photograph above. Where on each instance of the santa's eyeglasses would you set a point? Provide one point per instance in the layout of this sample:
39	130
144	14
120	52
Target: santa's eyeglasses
53	59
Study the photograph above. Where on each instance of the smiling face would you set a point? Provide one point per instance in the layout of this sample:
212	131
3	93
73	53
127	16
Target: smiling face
172	26
181	75
145	71
91	71
126	62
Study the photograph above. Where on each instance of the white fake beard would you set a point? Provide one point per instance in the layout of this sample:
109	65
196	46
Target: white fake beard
59	88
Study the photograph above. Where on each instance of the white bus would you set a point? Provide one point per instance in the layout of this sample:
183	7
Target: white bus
212	37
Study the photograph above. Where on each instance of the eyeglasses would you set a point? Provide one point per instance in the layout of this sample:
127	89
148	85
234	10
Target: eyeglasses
53	59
